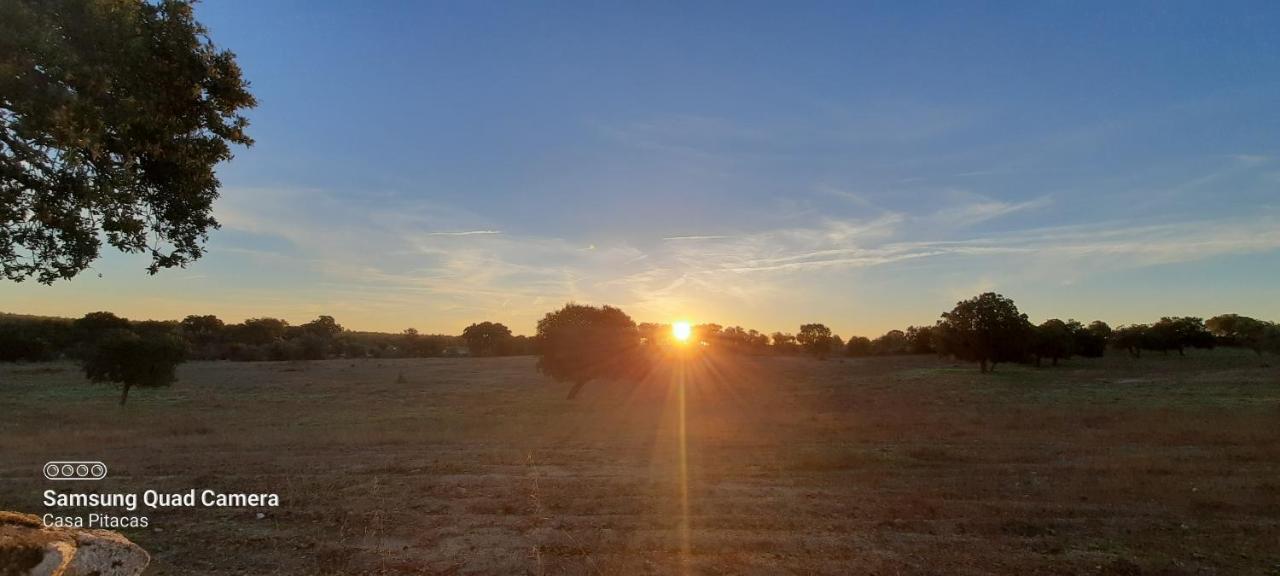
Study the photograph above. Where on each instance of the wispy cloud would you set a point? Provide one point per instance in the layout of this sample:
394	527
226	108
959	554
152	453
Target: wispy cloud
465	233
695	237
475	269
975	209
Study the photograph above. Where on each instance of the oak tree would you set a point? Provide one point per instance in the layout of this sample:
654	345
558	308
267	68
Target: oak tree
113	115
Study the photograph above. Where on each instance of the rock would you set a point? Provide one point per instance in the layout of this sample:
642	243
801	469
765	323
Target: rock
27	548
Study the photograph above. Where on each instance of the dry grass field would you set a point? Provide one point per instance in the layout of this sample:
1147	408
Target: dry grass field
912	465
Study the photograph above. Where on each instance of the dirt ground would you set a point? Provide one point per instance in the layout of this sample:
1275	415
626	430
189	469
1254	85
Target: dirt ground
910	465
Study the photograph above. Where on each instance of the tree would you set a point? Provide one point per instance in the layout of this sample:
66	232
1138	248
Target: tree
113	115
1131	338
891	342
784	343
581	343
95	323
735	338
835	344
409	342
815	339
522	346
709	333
1090	341
1236	330
88	329
324	327
741	340
154	327
487	338
130	360
202	329
986	329
920	339
858	346
1053	340
19	344
1178	333
1271	338
259	331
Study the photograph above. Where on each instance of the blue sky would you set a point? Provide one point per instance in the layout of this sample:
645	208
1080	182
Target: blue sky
765	164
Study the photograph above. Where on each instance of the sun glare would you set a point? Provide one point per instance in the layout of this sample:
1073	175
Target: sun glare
681	331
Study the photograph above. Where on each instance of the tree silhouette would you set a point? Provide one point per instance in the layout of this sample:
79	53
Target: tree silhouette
920	339
129	360
93	324
1236	330
581	343
815	339
1090	341
113	116
891	342
324	326
1178	333
709	333
487	338
260	331
1131	338
1053	340
784	343
201	330
858	346
986	329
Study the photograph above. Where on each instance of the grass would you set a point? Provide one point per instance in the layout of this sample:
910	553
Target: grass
913	465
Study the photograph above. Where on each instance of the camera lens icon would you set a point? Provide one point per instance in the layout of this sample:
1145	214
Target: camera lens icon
59	470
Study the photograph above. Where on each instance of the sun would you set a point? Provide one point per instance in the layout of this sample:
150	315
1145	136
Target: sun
681	331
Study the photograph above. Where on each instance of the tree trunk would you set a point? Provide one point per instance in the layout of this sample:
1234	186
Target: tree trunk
573	392
982	366
124	394
1055	360
1037	360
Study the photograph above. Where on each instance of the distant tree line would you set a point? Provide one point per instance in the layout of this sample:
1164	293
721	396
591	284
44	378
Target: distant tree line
581	343
207	337
573	342
146	353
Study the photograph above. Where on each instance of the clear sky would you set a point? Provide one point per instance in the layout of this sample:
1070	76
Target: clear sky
861	164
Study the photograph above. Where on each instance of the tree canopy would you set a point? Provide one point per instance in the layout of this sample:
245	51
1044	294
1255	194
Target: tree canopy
1091	341
113	115
987	329
581	343
858	346
891	342
1131	338
1237	330
486	338
815	339
1054	340
1178	333
127	359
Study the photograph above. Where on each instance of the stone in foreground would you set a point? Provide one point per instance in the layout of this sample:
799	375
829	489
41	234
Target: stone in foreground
27	548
